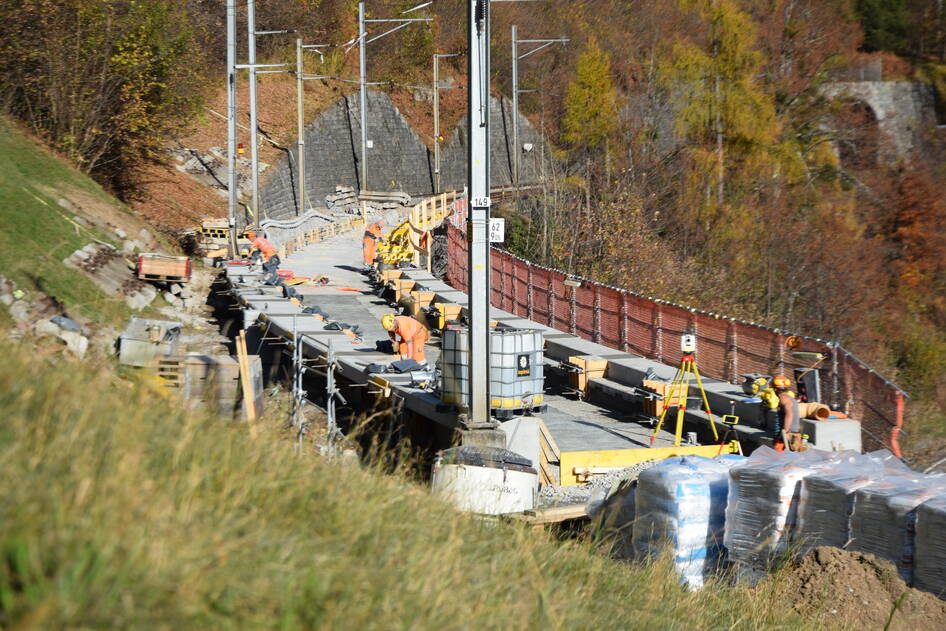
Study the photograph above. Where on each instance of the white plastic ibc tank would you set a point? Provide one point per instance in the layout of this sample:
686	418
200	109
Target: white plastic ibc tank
485	480
516	375
681	502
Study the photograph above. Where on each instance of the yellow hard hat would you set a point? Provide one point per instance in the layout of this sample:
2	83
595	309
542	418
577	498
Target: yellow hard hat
387	321
759	384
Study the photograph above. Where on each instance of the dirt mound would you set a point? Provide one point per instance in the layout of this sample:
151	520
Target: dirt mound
841	588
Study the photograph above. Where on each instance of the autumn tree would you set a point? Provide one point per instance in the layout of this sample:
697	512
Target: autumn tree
590	118
105	81
724	112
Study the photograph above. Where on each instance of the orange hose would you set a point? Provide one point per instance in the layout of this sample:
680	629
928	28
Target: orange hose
895	432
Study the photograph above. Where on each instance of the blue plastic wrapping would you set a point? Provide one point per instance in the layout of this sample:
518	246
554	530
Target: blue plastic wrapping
682	503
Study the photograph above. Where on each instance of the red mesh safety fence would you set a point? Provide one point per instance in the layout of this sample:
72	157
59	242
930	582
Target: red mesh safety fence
712	339
584	311
727	348
609	318
540	289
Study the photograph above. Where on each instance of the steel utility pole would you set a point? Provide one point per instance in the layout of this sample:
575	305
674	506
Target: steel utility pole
301	76
516	146
437	58
300	130
363	96
363	42
478	217
231	124
254	121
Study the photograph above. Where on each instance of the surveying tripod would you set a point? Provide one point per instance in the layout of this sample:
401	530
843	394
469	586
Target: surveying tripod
678	390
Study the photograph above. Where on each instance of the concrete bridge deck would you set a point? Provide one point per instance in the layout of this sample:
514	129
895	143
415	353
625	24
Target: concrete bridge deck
606	422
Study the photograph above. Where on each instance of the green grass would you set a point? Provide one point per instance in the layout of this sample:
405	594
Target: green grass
36	234
119	510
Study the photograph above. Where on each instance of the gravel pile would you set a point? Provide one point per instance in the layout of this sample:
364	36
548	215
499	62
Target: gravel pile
598	487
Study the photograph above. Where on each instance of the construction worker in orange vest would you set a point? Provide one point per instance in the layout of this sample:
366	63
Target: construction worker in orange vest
408	334
779	400
369	242
261	248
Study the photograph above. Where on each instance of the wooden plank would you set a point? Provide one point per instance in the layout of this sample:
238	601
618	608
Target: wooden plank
556	514
620	458
547	435
249	399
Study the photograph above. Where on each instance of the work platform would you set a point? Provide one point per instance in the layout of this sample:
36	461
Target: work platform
601	429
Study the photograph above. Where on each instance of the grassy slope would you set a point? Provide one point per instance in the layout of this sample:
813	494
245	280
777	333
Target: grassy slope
118	510
36	234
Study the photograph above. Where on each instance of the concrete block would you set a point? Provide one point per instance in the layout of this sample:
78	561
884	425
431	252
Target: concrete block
45	327
20	312
833	434
76	343
173	300
522	437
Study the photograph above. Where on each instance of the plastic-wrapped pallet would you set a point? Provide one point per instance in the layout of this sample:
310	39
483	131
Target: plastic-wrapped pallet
827	497
682	502
930	563
763	503
884	517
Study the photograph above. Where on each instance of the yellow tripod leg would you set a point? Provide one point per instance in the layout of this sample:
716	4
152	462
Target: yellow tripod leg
663	413
682	405
709	413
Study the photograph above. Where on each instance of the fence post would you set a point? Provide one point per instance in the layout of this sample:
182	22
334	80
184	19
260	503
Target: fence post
623	327
515	302
502	282
529	299
835	382
780	340
596	316
573	315
658	331
733	352
551	322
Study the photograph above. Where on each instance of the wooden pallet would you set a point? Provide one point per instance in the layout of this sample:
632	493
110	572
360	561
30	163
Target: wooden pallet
163	277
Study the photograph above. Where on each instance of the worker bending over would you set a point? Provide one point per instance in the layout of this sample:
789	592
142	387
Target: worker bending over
408	334
262	250
369	243
781	406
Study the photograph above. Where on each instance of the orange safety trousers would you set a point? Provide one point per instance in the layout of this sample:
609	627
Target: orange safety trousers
368	248
408	330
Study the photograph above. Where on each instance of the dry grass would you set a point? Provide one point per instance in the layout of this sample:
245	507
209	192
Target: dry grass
118	510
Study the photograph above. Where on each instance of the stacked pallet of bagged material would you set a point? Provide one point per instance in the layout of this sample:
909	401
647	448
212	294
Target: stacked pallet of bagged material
930	563
682	503
827	497
763	504
884	517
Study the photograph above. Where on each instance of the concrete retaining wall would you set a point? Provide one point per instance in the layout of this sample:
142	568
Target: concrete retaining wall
399	159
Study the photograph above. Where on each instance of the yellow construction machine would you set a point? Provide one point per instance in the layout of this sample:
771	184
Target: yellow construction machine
397	246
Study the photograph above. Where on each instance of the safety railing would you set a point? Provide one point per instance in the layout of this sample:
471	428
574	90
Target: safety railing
424	218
